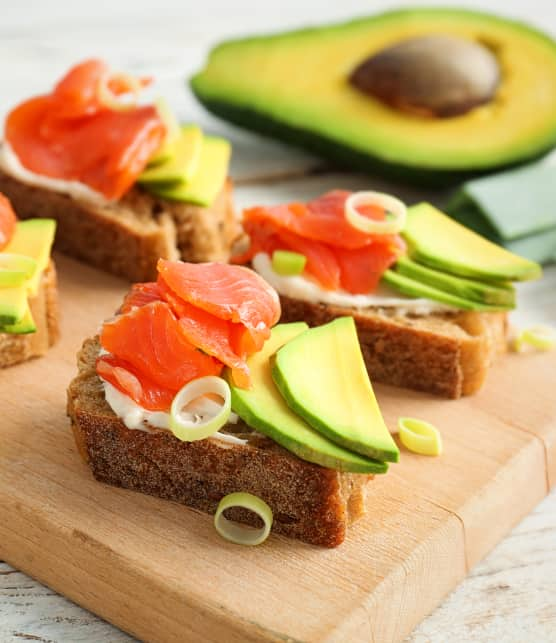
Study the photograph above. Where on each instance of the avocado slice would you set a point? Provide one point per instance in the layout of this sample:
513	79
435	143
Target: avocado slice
207	181
22	327
322	376
263	408
496	295
413	288
13	304
182	163
33	238
173	133
296	86
438	241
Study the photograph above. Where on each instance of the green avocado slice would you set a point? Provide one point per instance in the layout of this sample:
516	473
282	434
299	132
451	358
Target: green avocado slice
33	238
496	295
22	327
413	288
263	408
13	304
182	163
322	376
207	180
436	240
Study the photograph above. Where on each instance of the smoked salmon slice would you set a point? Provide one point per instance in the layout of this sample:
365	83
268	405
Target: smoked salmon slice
214	336
140	295
150	340
128	381
338	255
231	293
196	319
7	221
73	134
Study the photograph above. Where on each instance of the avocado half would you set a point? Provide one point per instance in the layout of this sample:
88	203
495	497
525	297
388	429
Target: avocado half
296	86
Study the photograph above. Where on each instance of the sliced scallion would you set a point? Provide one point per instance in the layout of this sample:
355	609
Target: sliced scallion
241	534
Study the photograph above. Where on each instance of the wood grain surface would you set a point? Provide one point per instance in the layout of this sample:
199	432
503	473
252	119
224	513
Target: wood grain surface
161	572
509	597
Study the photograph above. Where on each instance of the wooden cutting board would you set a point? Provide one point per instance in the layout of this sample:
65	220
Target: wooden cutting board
160	571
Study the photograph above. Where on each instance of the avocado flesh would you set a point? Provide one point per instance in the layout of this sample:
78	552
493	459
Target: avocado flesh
22	327
322	376
468	289
413	288
182	163
33	238
13	304
295	86
263	408
436	240
208	179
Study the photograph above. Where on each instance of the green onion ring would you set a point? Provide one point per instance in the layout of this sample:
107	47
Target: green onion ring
540	337
392	205
420	436
240	534
188	427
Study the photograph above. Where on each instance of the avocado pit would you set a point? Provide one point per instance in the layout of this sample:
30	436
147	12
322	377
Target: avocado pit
433	76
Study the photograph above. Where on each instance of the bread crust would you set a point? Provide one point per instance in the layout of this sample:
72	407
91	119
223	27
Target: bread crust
128	237
444	354
44	308
309	502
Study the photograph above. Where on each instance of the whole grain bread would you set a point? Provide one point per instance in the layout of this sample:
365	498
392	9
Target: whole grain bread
446	354
44	308
128	237
309	502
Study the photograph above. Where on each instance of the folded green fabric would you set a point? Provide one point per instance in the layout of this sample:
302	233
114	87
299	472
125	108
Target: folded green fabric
516	209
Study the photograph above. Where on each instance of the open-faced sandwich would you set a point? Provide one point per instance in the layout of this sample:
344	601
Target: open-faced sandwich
429	296
191	393
28	294
124	181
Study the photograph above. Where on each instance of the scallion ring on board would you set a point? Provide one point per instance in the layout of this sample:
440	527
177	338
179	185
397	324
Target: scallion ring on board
396	213
241	534
541	337
196	426
419	436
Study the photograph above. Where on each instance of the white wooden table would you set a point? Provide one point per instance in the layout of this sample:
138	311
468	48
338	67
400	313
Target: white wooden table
511	595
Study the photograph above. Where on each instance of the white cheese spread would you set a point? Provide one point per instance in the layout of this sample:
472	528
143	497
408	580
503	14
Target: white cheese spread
301	288
10	164
138	418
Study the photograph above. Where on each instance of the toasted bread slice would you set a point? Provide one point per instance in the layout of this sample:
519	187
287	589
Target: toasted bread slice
445	354
128	237
44	308
309	502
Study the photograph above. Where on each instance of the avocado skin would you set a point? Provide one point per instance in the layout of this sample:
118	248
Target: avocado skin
345	155
481	292
281	424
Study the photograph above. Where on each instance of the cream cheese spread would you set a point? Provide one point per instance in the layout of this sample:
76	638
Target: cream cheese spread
138	418
10	164
301	288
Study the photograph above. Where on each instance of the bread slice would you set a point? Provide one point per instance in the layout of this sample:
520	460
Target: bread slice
128	237
44	308
309	502
445	354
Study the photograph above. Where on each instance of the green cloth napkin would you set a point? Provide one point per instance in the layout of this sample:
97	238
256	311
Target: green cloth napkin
516	209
